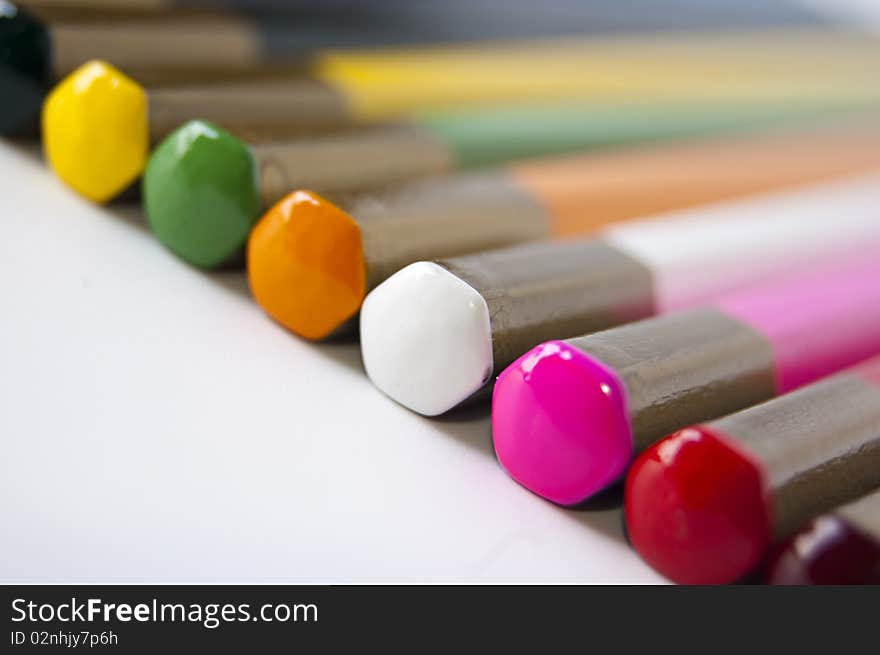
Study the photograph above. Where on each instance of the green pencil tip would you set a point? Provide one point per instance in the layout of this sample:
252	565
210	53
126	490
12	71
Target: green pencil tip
200	194
25	68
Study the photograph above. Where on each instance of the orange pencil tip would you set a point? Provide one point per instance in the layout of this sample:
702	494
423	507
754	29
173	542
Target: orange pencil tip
306	265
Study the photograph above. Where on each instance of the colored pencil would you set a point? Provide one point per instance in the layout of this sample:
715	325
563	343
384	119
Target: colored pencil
311	262
244	179
235	37
704	504
434	334
842	547
495	17
159	46
98	123
568	416
158	50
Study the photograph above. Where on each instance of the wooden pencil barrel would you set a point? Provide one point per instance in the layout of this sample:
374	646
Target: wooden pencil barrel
250	109
571	287
819	446
684	368
863	515
443	217
196	43
347	162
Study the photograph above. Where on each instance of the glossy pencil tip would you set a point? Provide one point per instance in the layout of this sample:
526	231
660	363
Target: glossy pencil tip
426	339
95	130
559	423
696	509
25	68
200	194
828	551
306	265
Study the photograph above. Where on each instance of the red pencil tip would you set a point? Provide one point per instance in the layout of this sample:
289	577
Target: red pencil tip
696	509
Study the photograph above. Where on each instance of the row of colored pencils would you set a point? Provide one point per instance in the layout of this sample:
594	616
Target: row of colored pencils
532	199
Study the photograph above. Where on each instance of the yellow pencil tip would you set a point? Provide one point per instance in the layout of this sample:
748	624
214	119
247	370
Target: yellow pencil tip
95	132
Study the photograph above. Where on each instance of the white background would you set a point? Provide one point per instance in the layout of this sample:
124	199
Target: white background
156	427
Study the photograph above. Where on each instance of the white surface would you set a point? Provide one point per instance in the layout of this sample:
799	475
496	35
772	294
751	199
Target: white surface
157	427
426	339
735	244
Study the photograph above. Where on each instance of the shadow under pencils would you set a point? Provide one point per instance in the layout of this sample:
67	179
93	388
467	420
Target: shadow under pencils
128	213
602	513
28	147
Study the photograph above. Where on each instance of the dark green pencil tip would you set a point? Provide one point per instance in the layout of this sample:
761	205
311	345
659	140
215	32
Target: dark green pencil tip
25	68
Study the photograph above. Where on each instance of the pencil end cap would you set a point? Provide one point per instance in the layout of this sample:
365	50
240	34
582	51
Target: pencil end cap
695	508
95	130
200	194
559	423
25	68
306	265
426	339
827	551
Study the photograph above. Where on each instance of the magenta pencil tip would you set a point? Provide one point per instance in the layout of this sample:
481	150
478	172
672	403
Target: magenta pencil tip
559	423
